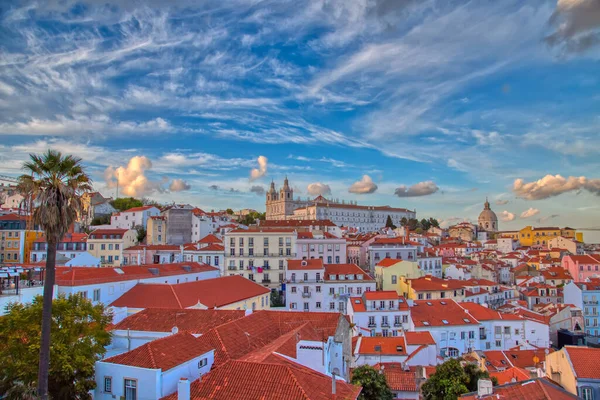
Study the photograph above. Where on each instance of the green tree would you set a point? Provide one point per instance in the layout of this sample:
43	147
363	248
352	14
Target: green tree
78	340
251	218
425	224
101	220
374	384
125	203
434	222
229	211
412	224
474	374
389	223
149	202
141	233
403	221
57	183
449	382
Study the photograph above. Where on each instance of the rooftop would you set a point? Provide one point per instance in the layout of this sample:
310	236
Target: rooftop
314	263
440	313
535	389
584	361
389	346
211	293
164	353
191	320
333	272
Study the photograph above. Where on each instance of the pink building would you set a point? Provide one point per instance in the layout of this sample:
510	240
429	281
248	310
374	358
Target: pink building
582	267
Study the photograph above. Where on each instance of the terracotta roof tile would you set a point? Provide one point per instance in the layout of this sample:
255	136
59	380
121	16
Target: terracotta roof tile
536	389
397	378
278	379
210	239
512	374
388	262
142	208
414	338
440	313
315	263
389	346
345	269
217	292
584	361
164	353
191	320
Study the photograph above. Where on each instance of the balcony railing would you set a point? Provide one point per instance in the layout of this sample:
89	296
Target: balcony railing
266	281
385	324
482	337
372	325
397	324
306	294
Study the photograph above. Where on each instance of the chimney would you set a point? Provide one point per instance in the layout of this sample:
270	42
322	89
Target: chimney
333	388
484	388
183	389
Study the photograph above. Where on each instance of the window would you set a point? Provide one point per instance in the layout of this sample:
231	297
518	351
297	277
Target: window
331	291
293	289
586	393
130	389
306	307
358	290
394	279
96	294
318	289
498	330
203	362
498	343
102	247
332	306
110	246
107	384
91	246
507	330
292	306
463	335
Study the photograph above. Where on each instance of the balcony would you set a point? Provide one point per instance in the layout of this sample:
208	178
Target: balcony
266	281
306	295
372	325
482	337
397	324
230	268
385	324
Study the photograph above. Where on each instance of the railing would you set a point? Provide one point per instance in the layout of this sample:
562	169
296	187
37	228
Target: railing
385	324
482	337
372	325
397	324
306	294
231	268
266	281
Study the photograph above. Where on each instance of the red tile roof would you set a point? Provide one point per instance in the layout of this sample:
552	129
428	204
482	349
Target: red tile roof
397	378
584	259
213	247
296	223
536	389
512	374
389	346
314	263
432	283
414	338
276	379
381	295
397	241
434	312
164	353
97	234
345	269
584	361
482	313
210	239
68	238
154	247
217	292
142	208
388	262
191	320
78	276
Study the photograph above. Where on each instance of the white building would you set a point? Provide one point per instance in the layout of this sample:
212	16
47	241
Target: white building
506	245
133	217
323	245
313	286
153	370
381	313
282	205
430	263
411	349
71	246
397	248
209	253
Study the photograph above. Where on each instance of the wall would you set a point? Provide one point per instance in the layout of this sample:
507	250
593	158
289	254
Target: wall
190	370
179	225
148	381
558	361
25	296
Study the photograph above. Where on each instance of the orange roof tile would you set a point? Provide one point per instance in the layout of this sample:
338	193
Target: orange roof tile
217	292
164	353
584	361
536	389
277	379
142	208
191	320
314	263
512	374
381	295
210	239
440	313
153	247
397	378
97	234
414	338
345	269
389	346
388	262
430	283
68	238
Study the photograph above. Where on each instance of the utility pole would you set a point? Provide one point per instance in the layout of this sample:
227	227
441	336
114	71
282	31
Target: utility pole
117	185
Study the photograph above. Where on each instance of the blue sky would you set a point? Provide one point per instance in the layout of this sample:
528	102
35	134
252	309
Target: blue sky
432	105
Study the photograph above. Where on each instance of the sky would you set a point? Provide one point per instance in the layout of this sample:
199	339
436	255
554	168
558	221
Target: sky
428	105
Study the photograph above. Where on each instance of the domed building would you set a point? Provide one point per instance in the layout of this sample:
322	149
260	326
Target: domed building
487	219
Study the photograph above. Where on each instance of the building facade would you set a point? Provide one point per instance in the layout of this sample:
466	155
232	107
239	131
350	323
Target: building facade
108	244
156	230
179	224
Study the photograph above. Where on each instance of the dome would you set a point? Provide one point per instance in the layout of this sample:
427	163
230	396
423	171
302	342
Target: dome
487	219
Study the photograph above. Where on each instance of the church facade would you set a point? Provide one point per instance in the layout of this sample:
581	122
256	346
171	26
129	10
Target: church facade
281	205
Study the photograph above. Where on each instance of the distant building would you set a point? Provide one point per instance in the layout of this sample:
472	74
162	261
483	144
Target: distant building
108	244
179	223
282	206
575	368
156	230
136	216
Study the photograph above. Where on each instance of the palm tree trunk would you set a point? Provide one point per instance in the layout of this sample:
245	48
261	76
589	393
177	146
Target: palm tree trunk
44	365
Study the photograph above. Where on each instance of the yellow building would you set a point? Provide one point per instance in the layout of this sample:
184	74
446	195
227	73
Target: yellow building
16	245
108	244
431	288
572	368
508	234
156	230
530	236
388	272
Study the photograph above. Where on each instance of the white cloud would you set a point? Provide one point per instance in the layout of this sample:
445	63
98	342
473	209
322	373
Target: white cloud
418	189
577	25
554	185
507	216
318	188
501	202
530	212
179	185
258	190
261	170
364	186
131	179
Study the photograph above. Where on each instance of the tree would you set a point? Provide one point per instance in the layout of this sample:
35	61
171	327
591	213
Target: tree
78	340
374	384
389	223
412	224
229	211
101	220
141	233
425	224
403	221
474	374
56	182
434	222
251	218
125	203
448	382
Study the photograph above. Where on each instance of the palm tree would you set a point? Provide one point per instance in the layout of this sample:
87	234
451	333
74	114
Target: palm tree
56	182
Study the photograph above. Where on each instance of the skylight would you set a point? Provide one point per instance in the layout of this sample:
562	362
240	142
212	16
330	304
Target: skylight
445	322
426	323
466	320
